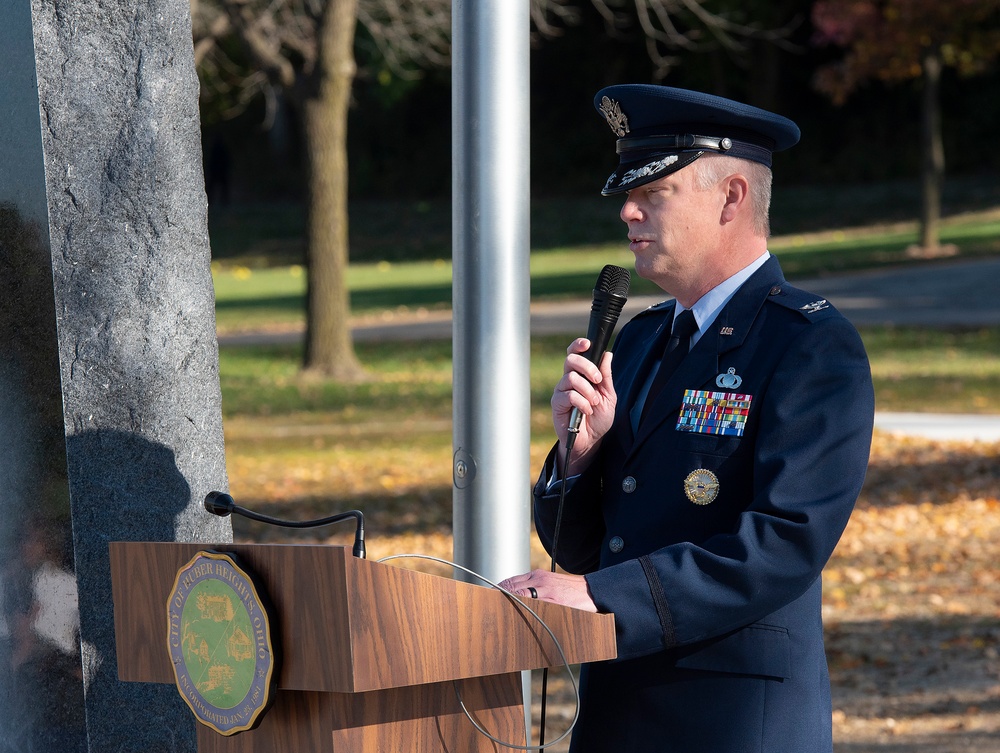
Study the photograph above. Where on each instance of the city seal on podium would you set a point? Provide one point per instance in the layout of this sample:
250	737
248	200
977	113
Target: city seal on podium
221	645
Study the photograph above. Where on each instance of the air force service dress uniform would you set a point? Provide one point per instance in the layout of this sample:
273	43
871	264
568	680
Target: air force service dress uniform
705	528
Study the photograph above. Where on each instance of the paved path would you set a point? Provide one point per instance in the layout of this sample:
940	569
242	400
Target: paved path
941	426
961	293
947	294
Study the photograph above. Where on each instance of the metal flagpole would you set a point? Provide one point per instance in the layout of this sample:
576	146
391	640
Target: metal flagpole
490	285
490	290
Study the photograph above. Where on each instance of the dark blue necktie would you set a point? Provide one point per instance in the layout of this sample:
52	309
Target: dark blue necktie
677	347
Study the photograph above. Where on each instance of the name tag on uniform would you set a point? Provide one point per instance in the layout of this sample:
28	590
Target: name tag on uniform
722	413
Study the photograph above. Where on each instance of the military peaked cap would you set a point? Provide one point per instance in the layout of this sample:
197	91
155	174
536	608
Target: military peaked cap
661	129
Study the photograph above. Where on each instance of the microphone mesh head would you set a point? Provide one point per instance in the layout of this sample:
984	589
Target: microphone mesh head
613	280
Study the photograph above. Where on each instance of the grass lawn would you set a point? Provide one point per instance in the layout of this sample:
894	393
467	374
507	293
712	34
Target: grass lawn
913	368
260	298
936	371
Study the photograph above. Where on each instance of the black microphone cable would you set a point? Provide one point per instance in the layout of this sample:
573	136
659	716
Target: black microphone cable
570	438
221	504
610	295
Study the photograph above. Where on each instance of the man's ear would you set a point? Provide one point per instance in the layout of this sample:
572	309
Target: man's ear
737	191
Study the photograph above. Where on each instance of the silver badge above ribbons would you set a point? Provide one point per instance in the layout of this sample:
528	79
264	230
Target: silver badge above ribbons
729	381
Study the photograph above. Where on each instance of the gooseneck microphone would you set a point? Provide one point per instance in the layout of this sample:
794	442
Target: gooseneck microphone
221	504
610	295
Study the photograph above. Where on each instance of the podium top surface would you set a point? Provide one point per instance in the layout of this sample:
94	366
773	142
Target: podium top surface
350	625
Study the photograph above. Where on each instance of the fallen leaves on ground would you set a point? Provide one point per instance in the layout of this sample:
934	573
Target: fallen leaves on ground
912	603
911	594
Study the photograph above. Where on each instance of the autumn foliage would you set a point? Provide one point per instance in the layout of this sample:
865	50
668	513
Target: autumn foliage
888	40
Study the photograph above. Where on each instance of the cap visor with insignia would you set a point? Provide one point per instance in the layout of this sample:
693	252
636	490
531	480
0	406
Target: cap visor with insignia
662	129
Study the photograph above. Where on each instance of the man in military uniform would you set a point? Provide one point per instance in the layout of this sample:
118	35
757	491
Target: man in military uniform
702	500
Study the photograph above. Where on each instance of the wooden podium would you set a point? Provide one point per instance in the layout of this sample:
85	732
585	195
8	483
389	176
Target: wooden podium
371	654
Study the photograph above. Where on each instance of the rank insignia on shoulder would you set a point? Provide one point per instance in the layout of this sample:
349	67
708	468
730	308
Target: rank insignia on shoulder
722	413
812	308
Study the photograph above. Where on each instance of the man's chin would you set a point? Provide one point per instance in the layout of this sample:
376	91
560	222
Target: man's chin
643	269
645	272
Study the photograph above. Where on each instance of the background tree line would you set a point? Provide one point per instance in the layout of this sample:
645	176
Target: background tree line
400	140
852	73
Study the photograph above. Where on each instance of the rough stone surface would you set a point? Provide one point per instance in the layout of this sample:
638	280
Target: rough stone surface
135	312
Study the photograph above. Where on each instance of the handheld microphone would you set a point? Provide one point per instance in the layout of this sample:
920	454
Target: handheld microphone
221	504
610	295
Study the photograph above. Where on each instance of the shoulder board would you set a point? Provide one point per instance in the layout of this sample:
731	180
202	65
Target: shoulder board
807	304
656	308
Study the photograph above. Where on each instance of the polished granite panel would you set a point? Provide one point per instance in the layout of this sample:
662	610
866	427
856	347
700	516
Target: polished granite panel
110	409
41	679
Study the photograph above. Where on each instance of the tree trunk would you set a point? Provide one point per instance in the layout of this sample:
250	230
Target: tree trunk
933	153
329	347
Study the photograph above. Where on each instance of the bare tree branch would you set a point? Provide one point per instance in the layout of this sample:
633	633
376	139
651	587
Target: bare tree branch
687	25
206	39
550	17
409	34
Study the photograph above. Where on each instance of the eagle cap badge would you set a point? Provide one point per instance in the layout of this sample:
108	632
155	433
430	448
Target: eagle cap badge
617	119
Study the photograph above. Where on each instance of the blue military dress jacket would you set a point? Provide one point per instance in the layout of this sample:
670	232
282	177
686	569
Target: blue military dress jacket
706	528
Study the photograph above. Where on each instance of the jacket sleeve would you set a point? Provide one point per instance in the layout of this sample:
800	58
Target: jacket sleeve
582	525
809	461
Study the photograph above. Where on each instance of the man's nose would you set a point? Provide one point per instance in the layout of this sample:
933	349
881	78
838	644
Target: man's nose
629	211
